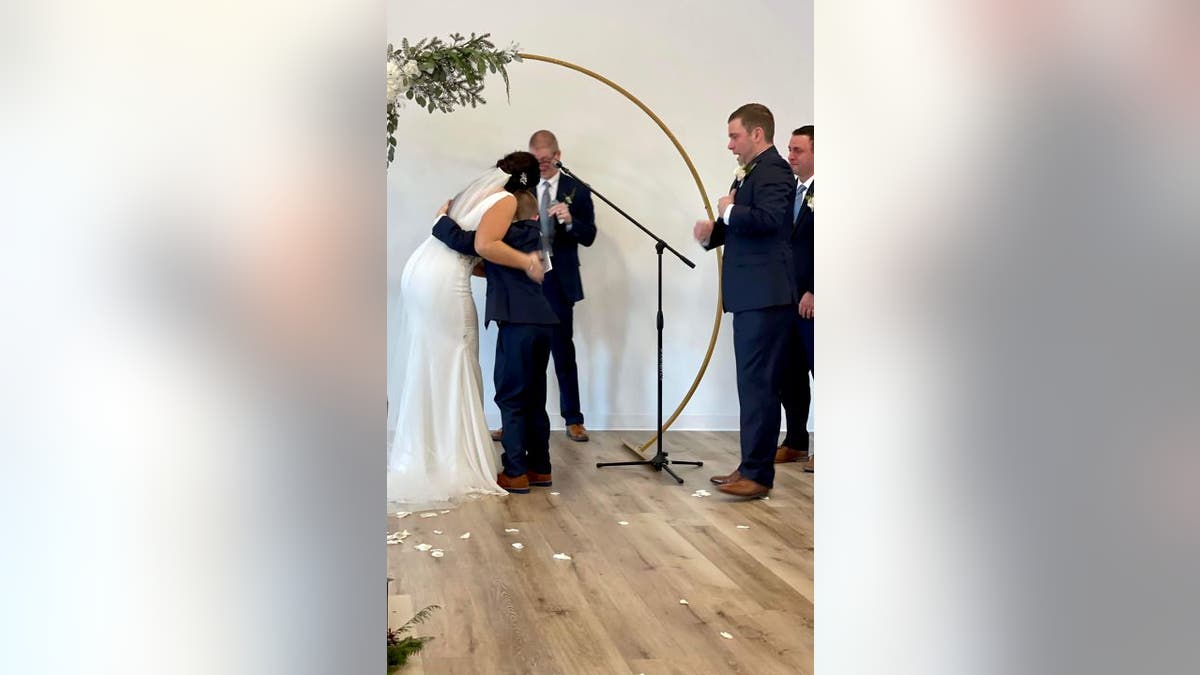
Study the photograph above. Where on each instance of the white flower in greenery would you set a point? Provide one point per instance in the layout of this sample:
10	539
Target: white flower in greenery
396	82
411	69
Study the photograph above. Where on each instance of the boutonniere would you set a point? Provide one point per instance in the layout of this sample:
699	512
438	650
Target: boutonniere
809	201
743	171
569	197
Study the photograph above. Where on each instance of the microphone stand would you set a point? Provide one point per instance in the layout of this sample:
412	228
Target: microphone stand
660	461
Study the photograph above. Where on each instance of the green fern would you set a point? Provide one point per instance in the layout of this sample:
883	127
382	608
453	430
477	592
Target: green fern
400	645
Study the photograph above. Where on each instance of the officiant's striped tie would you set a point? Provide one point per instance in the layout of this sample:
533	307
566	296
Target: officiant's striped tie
543	207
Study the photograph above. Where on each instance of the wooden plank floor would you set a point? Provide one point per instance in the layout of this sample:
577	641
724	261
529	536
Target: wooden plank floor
614	607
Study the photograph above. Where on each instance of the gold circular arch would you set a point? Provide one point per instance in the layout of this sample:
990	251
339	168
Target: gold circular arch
712	342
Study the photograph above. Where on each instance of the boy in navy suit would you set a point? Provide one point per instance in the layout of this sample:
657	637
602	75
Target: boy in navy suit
516	303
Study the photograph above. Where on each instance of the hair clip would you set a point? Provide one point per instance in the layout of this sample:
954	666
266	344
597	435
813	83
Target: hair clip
524	178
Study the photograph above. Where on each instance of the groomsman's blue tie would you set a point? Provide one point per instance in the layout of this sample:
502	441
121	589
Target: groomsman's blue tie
801	188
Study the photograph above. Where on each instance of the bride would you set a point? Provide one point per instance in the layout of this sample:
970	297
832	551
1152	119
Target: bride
442	450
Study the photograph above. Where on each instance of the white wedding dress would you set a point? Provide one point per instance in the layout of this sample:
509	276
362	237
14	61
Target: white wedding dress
442	451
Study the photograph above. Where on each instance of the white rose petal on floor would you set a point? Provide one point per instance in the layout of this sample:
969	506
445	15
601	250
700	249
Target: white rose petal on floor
466	535
743	527
518	545
422	547
561	556
725	635
437	532
511	530
437	553
622	522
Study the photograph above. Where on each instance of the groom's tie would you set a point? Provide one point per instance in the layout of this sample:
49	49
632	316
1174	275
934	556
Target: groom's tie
543	207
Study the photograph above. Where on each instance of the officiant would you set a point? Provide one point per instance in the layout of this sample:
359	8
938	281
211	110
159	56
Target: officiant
568	221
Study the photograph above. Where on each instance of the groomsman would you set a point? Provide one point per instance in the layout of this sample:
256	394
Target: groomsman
568	221
796	395
758	286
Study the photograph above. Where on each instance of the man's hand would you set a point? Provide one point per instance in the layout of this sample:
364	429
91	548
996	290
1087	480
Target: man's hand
806	306
534	270
724	202
703	230
562	211
445	208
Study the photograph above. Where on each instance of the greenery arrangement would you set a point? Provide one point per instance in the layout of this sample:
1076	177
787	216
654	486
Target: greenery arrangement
439	75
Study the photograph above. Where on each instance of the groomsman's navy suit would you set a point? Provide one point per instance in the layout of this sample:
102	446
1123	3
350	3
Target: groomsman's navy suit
800	353
758	286
563	288
516	303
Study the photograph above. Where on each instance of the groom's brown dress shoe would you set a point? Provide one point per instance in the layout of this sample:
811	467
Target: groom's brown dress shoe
577	433
519	485
540	479
498	435
784	454
728	478
744	487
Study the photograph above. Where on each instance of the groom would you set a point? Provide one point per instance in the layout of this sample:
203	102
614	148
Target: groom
758	287
568	221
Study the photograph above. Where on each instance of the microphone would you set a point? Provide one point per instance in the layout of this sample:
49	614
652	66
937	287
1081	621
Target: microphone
561	167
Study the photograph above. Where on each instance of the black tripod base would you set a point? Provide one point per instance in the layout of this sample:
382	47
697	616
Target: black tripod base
659	463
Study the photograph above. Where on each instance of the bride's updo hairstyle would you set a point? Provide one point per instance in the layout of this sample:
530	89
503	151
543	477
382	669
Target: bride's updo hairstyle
523	167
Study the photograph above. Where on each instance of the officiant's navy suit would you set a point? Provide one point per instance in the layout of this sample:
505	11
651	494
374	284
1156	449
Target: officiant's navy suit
758	286
516	303
563	288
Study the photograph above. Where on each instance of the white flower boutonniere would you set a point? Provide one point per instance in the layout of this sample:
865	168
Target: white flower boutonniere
809	201
742	172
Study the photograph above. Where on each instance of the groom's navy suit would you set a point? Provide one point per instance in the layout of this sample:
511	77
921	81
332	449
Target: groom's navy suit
758	286
516	303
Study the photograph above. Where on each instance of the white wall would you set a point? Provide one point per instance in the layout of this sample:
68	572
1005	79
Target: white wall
692	63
